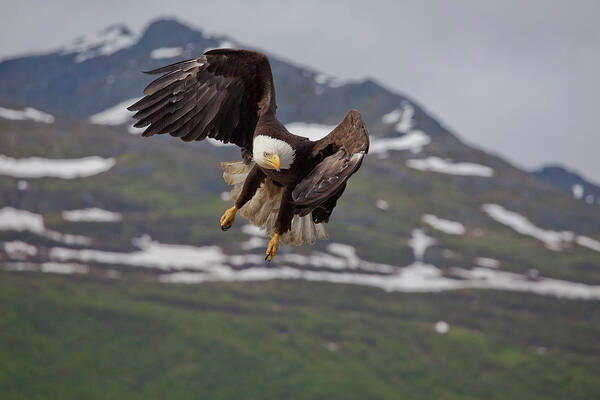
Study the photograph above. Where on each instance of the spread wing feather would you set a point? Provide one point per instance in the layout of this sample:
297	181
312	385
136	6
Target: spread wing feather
340	154
221	95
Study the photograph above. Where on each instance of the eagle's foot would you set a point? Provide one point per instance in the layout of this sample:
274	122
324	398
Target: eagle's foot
272	248
228	218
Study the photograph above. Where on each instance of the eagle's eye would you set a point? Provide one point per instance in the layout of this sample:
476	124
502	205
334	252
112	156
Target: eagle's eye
265	154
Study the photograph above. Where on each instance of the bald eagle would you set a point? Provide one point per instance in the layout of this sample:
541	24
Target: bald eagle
286	184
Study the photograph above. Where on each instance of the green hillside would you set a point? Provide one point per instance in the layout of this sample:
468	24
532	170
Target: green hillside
73	338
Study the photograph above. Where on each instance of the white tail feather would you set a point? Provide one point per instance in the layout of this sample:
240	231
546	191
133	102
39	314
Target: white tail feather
262	209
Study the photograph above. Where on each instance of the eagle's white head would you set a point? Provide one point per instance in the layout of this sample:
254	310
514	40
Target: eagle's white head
271	153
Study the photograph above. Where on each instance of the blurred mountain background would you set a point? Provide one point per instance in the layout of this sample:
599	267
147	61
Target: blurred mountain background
449	273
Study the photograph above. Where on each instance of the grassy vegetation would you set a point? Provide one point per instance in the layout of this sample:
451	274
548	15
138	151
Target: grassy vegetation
73	338
84	337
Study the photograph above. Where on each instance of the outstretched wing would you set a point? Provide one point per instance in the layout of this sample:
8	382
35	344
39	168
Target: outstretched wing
340	154
220	95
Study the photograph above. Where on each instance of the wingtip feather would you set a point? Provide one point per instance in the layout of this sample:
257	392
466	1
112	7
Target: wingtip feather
137	105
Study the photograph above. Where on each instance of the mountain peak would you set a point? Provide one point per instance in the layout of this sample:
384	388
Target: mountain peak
569	182
169	30
120	29
105	42
168	23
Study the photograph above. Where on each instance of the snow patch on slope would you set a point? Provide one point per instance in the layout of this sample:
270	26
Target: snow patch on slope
115	115
419	242
344	250
403	120
253	230
27	113
487	262
485	278
151	254
577	190
413	141
63	268
588	242
18	250
253	243
310	130
392	117
257	237
190	264
415	278
328	80
441	327
403	117
225	196
166	52
227	44
436	164
37	167
47	267
589	199
343	258
91	215
553	240
103	43
444	225
224	44
382	204
12	219
22	185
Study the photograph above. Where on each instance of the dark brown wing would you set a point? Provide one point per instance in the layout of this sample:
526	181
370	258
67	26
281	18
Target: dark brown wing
220	95
341	154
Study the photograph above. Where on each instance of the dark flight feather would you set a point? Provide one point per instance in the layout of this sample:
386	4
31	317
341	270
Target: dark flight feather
341	154
221	95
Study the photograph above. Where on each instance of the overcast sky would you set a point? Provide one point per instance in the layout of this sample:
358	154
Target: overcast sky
518	78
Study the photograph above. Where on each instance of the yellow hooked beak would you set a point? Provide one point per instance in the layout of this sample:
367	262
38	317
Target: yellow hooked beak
274	161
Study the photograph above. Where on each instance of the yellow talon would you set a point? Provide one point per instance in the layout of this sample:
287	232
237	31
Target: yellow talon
272	248
228	218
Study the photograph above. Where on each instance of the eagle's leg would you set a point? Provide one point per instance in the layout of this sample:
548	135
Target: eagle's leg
272	247
283	223
228	218
253	181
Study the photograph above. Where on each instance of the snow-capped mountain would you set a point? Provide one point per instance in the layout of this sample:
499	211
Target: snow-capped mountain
427	211
445	261
98	71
